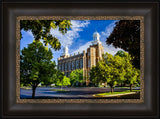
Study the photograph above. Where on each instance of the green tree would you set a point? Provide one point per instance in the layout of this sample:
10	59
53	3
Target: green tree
65	81
126	35
96	75
110	69
41	30
120	53
113	69
36	65
76	76
131	75
58	77
126	61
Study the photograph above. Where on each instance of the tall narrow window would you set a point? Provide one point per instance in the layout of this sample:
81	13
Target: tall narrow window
66	66
73	65
77	64
62	66
69	65
81	63
89	63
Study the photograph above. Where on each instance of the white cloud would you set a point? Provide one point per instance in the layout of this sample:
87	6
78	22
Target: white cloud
104	34
27	33
110	49
67	39
83	47
108	31
30	33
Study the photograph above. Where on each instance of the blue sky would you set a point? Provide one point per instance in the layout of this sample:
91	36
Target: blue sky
79	37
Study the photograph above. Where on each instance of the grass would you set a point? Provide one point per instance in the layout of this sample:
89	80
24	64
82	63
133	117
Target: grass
27	88
63	90
114	93
121	87
129	96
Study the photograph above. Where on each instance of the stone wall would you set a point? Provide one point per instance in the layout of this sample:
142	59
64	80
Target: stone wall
70	63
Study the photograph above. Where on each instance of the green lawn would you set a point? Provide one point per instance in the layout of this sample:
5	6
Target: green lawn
27	88
121	87
114	93
59	90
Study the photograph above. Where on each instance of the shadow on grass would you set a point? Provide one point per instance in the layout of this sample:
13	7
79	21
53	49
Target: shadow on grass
131	96
59	90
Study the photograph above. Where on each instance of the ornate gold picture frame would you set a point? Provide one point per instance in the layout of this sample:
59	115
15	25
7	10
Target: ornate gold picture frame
141	18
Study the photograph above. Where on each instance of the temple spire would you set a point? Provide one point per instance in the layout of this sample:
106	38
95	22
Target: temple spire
96	37
65	51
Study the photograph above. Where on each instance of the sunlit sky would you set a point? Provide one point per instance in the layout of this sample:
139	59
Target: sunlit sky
79	37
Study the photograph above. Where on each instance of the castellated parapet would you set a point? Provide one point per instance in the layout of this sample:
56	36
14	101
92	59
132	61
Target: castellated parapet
85	60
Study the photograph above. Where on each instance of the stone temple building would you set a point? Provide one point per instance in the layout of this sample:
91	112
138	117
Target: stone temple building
85	60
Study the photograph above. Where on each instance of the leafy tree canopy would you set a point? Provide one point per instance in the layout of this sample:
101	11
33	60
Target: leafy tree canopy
96	75
58	77
64	82
36	65
126	35
113	68
132	76
41	30
120	53
76	76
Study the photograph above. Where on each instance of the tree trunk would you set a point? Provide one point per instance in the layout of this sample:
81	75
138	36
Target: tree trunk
111	89
131	87
33	91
